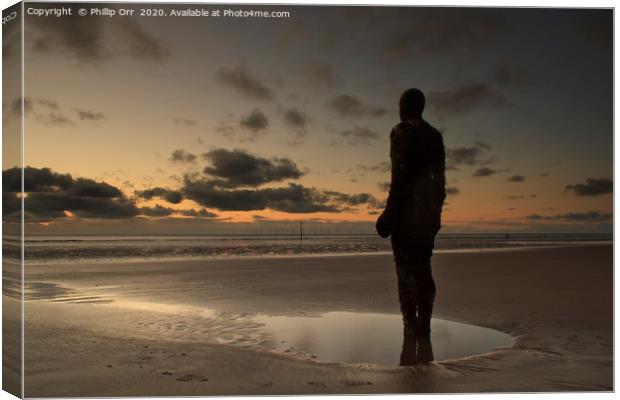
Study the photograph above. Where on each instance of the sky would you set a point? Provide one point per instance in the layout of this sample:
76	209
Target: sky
210	124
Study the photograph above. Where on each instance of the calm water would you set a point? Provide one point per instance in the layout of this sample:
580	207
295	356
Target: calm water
46	249
378	338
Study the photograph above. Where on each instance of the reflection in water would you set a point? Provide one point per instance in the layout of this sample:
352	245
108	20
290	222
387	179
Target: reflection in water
377	338
416	350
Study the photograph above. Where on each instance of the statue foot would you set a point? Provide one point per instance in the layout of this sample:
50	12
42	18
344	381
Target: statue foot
425	350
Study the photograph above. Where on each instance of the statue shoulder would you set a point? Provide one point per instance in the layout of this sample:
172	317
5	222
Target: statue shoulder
401	131
401	138
431	134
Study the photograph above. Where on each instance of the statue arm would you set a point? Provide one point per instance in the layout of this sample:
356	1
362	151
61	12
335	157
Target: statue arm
399	155
439	171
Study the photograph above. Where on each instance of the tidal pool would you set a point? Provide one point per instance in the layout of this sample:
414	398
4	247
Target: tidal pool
377	338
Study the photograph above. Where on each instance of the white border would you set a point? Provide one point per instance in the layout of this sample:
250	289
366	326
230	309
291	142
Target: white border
465	3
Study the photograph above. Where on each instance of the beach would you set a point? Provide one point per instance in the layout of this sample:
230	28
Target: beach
187	327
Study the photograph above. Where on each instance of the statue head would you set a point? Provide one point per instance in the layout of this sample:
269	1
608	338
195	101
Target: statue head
411	104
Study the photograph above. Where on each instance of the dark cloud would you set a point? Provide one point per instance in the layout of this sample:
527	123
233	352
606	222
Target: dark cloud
295	119
237	168
322	74
182	156
248	128
475	155
229	130
94	39
484	171
82	37
455	30
157	211
516	178
297	122
85	187
43	206
236	174
592	187
452	190
591	216
202	213
351	199
50	104
52	195
139	44
293	198
358	135
183	122
511	76
89	115
171	196
520	196
463	99
347	106
55	119
43	111
44	180
297	199
245	83
207	194
16	106
383	166
255	121
35	180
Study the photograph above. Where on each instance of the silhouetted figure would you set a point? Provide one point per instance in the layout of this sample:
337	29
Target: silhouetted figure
412	215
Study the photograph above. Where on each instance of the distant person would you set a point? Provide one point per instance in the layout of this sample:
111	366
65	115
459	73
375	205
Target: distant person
412	216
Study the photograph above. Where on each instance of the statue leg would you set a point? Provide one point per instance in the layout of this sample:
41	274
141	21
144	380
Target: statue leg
425	287
407	289
408	296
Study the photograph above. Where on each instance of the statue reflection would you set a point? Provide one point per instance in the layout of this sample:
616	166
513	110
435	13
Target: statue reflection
417	349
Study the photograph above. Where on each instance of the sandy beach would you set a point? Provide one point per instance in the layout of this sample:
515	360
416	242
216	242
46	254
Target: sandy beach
187	327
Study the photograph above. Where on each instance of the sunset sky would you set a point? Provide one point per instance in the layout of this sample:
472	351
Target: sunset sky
196	123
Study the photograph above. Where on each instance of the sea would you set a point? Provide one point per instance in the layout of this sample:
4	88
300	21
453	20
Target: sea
120	248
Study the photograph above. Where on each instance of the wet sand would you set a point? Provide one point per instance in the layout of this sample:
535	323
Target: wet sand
186	327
